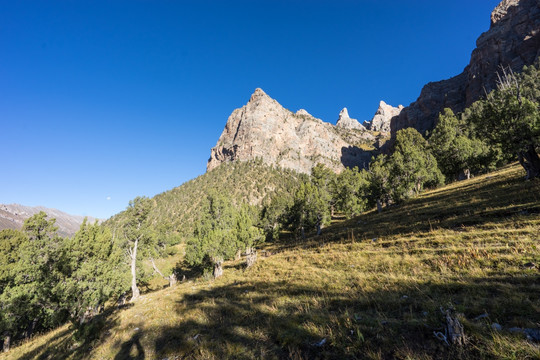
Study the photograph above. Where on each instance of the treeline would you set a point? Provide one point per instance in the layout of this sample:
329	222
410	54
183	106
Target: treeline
179	209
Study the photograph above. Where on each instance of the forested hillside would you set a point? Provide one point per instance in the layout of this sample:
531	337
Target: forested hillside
177	210
376	287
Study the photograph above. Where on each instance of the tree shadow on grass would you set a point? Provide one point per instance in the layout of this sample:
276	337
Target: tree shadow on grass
131	349
284	320
64	344
43	351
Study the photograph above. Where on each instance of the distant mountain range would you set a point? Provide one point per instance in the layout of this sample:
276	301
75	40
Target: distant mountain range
12	216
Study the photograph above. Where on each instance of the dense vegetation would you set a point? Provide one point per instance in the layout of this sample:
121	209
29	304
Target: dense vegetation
176	211
46	280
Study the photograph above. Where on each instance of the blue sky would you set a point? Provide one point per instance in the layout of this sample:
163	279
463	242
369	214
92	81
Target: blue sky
103	101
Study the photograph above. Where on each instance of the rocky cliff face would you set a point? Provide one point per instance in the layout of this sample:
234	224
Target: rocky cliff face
266	130
513	40
381	121
12	216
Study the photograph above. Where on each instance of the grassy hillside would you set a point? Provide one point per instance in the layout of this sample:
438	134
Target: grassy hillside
372	287
251	181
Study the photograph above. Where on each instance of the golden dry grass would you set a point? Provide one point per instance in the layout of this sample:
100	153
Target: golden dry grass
369	288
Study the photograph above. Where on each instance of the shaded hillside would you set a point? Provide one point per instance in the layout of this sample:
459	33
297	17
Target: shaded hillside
372	288
176	210
12	216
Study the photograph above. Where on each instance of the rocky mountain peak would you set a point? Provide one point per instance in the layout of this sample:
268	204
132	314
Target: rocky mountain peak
383	117
259	96
501	10
343	114
346	122
303	112
263	129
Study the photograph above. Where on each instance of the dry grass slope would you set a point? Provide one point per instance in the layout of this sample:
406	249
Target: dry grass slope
368	288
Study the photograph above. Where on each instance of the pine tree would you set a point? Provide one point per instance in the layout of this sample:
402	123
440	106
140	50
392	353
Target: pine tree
31	295
11	242
457	151
510	118
379	181
352	189
94	269
274	213
310	209
221	232
214	239
412	166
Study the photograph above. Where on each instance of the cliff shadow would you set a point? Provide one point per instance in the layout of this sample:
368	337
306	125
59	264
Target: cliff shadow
352	156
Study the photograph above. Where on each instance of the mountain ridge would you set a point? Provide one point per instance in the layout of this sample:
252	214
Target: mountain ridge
512	41
12	216
298	141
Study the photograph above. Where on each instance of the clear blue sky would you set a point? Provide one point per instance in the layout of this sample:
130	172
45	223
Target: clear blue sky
102	101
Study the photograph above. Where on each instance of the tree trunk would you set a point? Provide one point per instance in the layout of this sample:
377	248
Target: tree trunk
218	268
379	206
454	329
121	300
30	329
134	289
172	280
530	161
464	174
7	342
156	268
82	319
251	257
97	309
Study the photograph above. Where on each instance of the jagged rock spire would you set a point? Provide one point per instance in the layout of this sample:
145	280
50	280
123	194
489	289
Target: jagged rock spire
344	121
343	114
383	117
